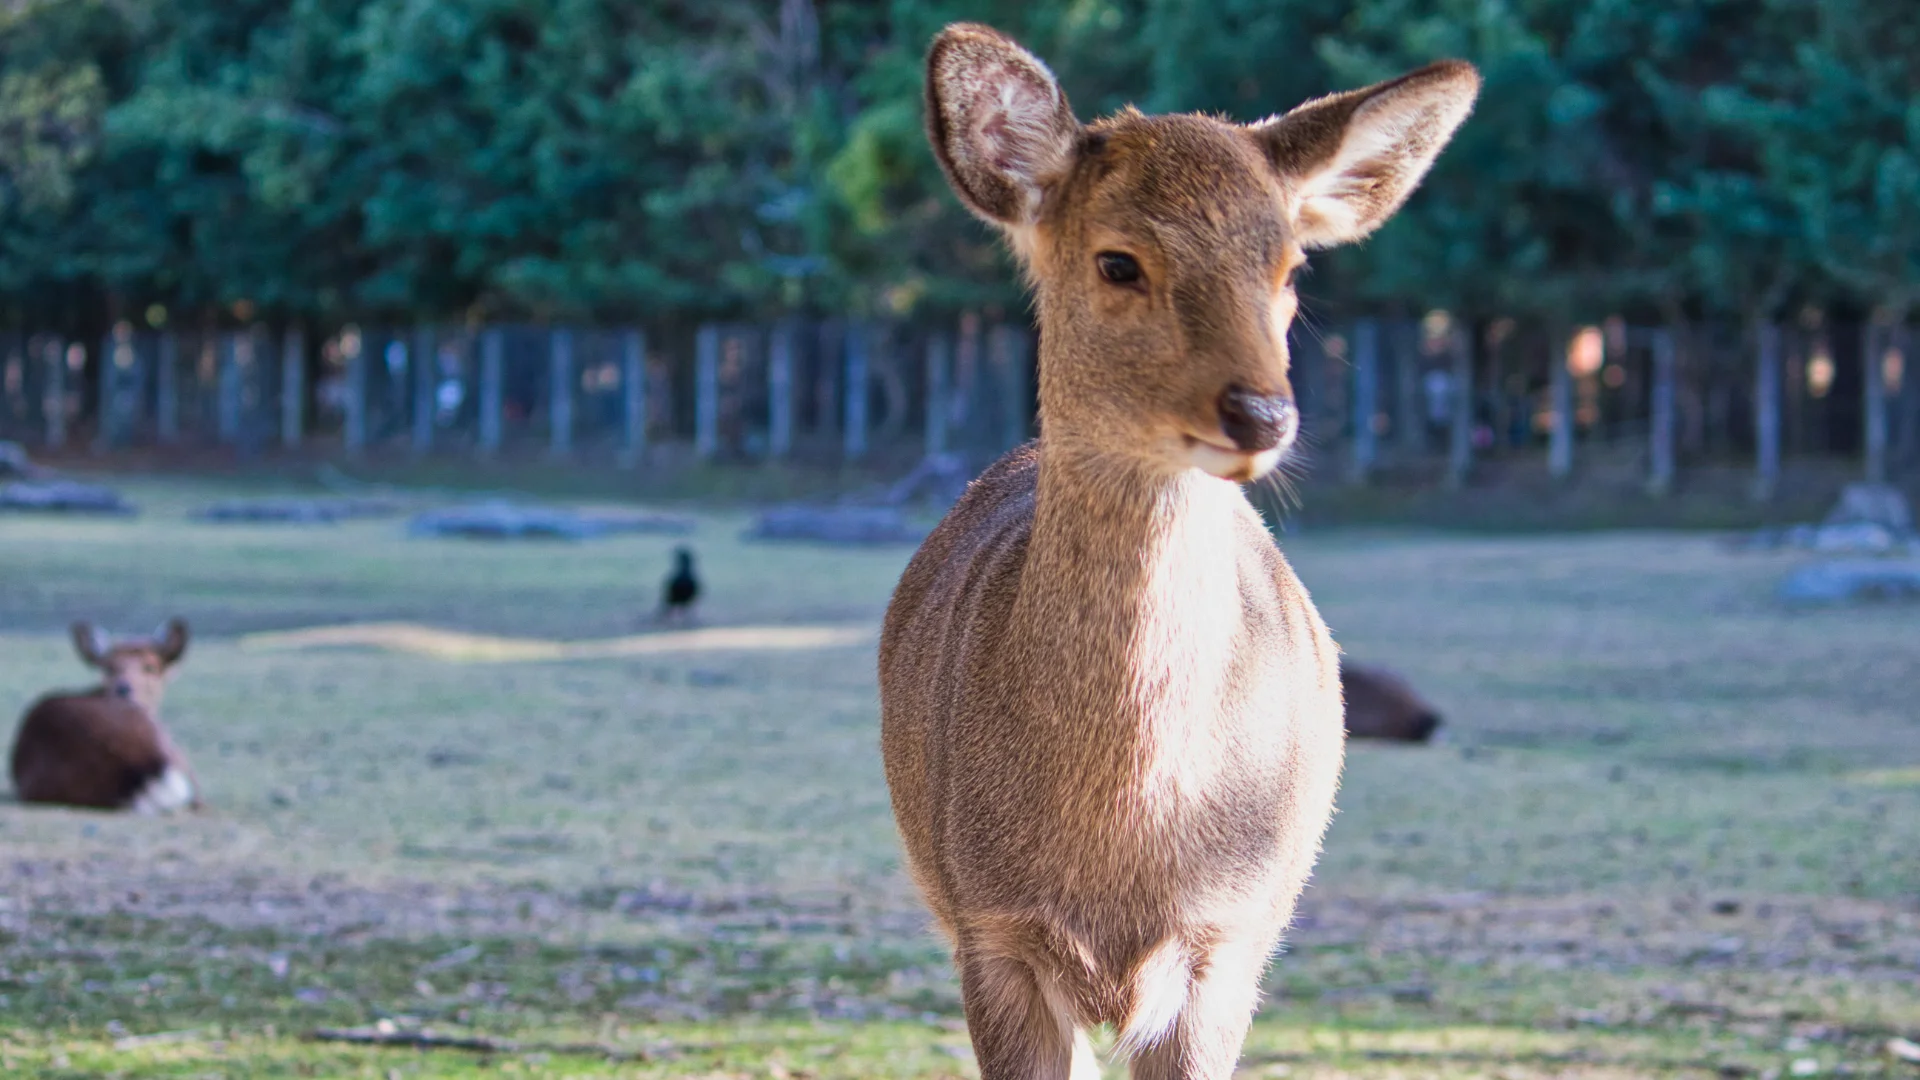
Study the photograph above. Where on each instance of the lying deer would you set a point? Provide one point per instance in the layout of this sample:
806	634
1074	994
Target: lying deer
105	747
1111	716
1382	705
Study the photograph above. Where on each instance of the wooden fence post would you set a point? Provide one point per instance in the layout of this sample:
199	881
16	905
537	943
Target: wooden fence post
560	392
1410	419
119	388
780	390
107	396
939	356
1460	343
1011	352
424	365
1873	401
229	389
354	422
13	379
1766	411
829	348
965	380
1366	399
633	393
1909	444
1660	431
166	389
1560	384
706	392
854	412
252	351
53	398
493	379
293	388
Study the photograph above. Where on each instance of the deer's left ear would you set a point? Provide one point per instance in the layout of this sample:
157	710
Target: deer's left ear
91	643
1351	159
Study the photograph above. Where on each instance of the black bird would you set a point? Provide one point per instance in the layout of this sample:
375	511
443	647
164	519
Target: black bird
681	588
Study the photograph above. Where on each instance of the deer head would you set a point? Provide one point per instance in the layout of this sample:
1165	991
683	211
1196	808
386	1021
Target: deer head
135	669
1163	249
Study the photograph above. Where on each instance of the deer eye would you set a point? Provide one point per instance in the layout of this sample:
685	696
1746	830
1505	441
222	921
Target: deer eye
1118	269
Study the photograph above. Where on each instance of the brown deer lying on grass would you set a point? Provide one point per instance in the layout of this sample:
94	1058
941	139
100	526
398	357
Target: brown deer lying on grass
1110	714
105	748
1381	705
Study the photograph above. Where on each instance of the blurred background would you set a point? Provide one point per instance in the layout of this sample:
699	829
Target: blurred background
1676	238
399	345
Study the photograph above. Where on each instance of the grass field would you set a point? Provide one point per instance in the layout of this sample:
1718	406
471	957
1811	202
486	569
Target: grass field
1674	829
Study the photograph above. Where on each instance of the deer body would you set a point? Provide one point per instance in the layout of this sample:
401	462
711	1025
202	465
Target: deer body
1111	716
1382	705
1067	809
105	748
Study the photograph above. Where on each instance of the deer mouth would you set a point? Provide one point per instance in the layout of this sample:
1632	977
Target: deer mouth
1230	462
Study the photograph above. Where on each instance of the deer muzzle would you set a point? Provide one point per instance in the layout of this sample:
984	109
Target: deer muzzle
1256	422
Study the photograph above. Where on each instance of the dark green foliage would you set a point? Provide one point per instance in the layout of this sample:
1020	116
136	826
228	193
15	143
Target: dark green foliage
330	159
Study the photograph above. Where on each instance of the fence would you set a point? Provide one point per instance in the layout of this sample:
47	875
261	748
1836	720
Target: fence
1379	395
807	389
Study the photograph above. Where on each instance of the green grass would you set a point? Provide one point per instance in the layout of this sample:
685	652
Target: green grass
1670	833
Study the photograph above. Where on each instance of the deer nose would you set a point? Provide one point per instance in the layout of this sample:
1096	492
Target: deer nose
1254	421
123	689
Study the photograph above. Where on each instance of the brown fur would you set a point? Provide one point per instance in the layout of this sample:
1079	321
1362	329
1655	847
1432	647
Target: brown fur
1111	717
1382	705
103	747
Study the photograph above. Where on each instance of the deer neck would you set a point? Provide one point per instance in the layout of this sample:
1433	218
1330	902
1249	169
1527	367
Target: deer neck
1130	593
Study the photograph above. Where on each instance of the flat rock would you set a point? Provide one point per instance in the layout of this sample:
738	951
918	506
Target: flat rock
1869	519
62	497
1872	504
1849	538
1851	580
939	480
14	463
501	520
638	521
836	525
296	511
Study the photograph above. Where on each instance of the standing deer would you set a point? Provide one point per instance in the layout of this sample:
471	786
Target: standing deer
1111	716
105	748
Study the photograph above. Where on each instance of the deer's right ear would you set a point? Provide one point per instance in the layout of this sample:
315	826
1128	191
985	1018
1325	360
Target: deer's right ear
998	122
91	643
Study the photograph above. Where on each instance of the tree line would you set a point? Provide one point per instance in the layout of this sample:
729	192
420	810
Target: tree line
680	160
